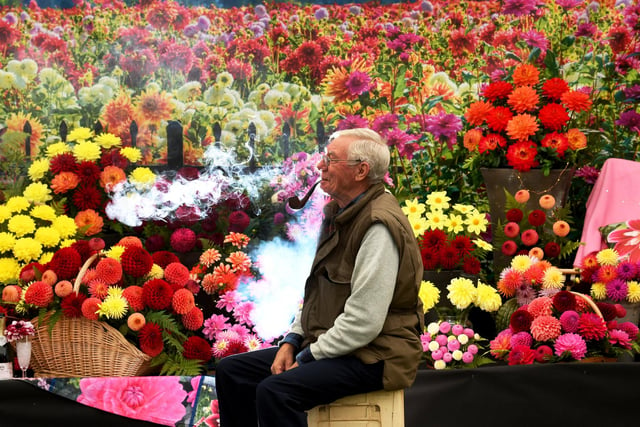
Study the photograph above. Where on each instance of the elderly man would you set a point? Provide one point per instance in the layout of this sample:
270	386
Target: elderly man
358	329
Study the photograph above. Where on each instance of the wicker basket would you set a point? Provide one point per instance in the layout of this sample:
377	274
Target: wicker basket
80	347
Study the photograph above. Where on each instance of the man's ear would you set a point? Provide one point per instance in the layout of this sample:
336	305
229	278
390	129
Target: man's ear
362	172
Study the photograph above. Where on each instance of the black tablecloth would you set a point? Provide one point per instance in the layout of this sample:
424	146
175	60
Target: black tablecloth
573	394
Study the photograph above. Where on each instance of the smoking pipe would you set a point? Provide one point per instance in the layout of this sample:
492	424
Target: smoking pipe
295	202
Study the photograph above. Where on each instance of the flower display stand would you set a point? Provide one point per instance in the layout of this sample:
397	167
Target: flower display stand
380	408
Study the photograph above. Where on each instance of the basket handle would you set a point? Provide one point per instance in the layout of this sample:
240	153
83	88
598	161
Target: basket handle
589	301
83	270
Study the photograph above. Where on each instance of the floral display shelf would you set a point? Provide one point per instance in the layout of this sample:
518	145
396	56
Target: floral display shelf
178	401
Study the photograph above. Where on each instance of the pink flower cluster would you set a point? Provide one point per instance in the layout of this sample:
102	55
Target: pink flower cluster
563	327
449	345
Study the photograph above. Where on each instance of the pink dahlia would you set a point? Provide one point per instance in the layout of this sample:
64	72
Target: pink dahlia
540	306
543	354
572	343
521	338
569	321
592	327
620	338
629	328
501	344
183	240
522	355
545	328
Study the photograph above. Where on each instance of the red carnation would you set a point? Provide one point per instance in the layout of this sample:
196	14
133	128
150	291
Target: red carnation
238	221
72	304
197	348
183	240
157	294
136	261
150	337
133	295
193	320
515	215
39	294
537	217
66	263
90	307
563	301
520	320
164	258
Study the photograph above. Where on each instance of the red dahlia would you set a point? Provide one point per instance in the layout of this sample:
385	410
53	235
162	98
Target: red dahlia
552	249
88	172
150	337
133	295
164	258
497	90
83	248
90	308
522	155
430	258
238	221
498	118
554	88
520	320
471	265
514	215
66	263
39	294
136	261
87	196
63	163
537	217
183	301
193	320
563	301
157	294
591	326
197	348
183	240
177	274
72	304
553	116
433	239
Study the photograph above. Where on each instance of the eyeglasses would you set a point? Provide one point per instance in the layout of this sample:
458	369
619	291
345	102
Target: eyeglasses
326	160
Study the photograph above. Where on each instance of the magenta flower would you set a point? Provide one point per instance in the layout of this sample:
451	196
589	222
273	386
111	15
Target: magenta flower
568	4
358	82
569	321
588	173
519	7
157	399
627	240
572	343
619	337
617	289
444	127
352	122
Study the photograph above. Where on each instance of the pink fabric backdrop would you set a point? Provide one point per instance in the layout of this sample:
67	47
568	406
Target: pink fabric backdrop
615	198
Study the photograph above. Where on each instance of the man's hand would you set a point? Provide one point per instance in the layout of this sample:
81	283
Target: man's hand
284	359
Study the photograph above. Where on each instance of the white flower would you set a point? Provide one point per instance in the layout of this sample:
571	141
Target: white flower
439	364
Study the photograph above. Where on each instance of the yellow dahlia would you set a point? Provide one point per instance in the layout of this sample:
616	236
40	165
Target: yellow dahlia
608	257
38	169
131	153
487	298
80	134
18	204
7	240
21	225
143	178
27	249
413	207
9	270
462	293
86	151
438	200
57	148
429	294
108	140
48	236
65	226
37	192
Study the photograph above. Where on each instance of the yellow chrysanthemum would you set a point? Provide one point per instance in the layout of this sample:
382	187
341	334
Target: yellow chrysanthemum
156	272
86	151
607	257
143	178
487	298
43	212
115	252
37	192
65	226
438	200
521	263
9	270
65	243
7	240
108	140
21	225
27	249
429	294
463	209
413	207
454	224
598	291
633	291
114	291
5	213
132	154
80	135
18	204
38	169
553	278
436	220
48	236
476	223
46	258
418	224
462	292
57	148
113	307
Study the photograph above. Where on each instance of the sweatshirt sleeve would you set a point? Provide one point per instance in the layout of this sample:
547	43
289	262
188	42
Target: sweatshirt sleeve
372	286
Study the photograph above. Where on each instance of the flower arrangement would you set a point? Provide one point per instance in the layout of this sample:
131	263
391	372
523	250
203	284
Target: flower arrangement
19	329
528	277
80	173
220	271
149	298
450	237
524	122
608	277
564	326
449	345
31	230
542	232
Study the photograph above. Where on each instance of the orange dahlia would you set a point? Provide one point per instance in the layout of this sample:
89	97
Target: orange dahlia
477	112
523	99
111	176
472	139
176	274
133	295
335	81
136	321
64	181
98	289
576	101
39	294
118	114
522	126
183	301
109	270
90	221
193	320
522	155
154	106
526	75
90	308
577	139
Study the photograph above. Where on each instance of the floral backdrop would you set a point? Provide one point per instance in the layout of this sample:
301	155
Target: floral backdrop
92	94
